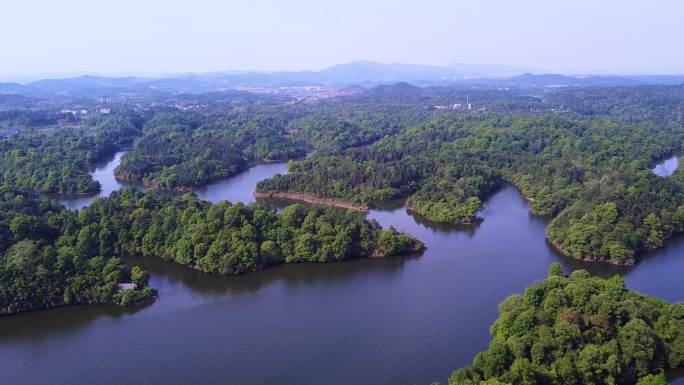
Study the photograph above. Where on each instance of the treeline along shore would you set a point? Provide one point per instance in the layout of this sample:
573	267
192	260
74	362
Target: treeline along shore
310	199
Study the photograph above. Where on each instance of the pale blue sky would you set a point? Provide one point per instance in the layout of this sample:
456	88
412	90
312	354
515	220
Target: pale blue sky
166	36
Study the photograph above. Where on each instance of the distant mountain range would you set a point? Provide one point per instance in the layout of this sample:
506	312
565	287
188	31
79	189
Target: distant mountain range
362	73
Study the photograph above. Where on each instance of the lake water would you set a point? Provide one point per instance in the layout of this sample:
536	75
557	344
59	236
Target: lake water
103	173
409	320
236	189
240	187
667	167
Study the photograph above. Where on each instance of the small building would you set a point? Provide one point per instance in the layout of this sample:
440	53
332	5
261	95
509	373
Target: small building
125	286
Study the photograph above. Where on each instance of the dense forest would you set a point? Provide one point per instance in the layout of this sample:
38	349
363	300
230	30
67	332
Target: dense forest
184	149
663	105
51	257
581	156
46	262
29	118
591	173
187	148
579	330
57	160
230	238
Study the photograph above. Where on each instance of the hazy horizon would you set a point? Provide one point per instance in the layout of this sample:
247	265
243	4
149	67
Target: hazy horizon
28	77
157	38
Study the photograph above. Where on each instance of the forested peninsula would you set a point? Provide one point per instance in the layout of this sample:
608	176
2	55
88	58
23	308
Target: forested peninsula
53	257
579	329
228	238
47	261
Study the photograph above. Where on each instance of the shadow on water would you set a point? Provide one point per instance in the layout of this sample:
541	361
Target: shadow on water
239	188
43	323
604	270
398	206
290	275
675	376
103	172
446	228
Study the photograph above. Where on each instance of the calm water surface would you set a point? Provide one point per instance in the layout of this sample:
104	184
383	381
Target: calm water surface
236	189
240	187
389	321
103	173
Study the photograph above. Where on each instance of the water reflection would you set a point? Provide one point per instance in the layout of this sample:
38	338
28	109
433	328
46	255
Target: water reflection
40	324
289	275
239	188
103	173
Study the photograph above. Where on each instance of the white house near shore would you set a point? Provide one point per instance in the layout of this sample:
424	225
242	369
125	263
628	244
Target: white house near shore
126	286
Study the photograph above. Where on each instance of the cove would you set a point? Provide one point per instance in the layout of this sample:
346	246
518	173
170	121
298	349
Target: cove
405	320
238	188
103	173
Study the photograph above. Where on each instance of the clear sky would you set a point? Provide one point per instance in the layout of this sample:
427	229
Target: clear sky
167	36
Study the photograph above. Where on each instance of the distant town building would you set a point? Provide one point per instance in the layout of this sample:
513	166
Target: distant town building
454	106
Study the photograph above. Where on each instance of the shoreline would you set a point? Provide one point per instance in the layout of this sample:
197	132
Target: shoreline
412	210
592	259
80	194
185	189
146	301
419	247
310	199
155	186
